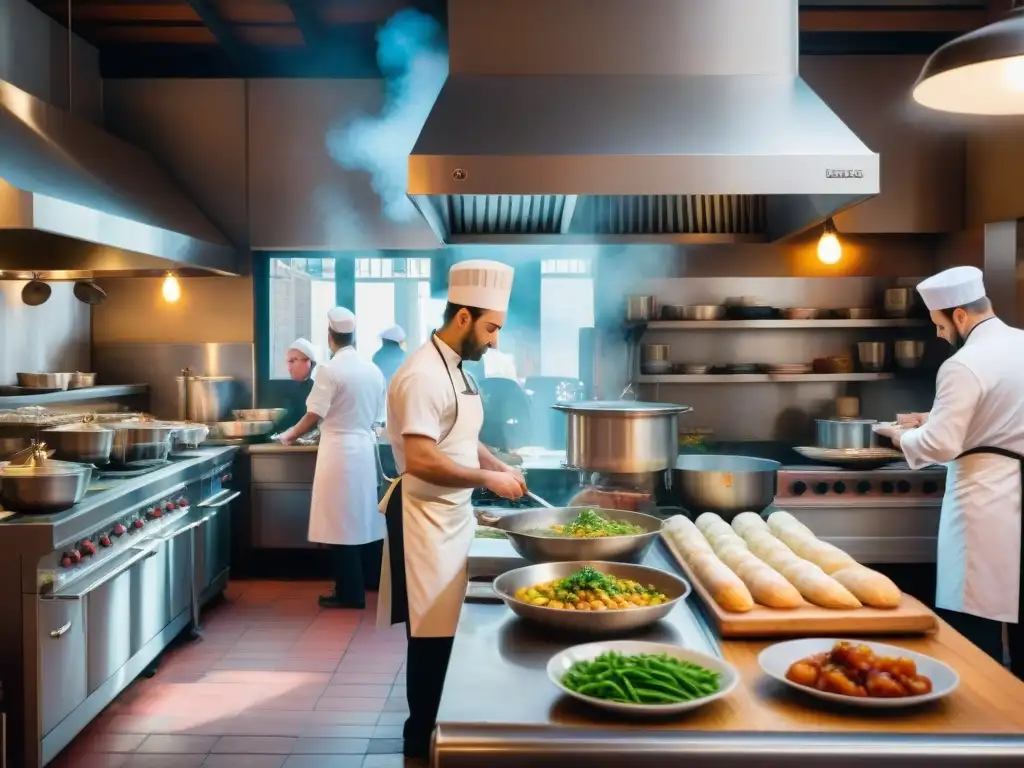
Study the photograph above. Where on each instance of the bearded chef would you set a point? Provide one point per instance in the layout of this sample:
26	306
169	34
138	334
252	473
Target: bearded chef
434	419
976	428
348	401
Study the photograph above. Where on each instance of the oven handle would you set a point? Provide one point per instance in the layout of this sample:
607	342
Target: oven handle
139	554
60	631
216	502
185	528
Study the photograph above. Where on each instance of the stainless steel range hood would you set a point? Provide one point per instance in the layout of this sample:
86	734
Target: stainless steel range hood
75	201
612	120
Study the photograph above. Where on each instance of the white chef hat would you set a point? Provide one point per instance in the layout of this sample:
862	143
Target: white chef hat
952	288
305	346
481	284
341	320
394	333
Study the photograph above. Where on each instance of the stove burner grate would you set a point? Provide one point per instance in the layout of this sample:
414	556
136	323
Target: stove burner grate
125	473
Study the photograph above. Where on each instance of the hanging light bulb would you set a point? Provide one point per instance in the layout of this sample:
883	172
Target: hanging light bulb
171	289
980	73
830	250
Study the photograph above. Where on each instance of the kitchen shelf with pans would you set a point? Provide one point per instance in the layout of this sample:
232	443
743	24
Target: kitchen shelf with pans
86	394
792	325
758	378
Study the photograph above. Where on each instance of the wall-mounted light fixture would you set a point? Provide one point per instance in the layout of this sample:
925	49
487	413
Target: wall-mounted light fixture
830	250
980	73
171	289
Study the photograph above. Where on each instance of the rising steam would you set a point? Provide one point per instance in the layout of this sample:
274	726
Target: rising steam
413	57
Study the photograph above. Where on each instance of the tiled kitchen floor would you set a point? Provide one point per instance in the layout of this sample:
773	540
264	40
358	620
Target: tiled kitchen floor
275	682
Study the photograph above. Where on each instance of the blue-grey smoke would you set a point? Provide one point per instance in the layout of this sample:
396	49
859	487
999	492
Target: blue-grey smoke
413	56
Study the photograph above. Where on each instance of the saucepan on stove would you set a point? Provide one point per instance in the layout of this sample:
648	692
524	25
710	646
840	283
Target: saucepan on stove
33	482
142	443
727	485
85	442
846	433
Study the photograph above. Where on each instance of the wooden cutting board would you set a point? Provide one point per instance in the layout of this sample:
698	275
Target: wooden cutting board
910	618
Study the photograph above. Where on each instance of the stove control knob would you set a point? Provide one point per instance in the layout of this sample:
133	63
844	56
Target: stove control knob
903	486
225	478
182	502
930	486
137	524
839	487
65	561
104	541
821	488
119	530
154	514
887	487
88	548
799	488
75	556
863	486
170	506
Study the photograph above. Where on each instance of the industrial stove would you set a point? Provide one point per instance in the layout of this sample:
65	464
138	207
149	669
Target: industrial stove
92	595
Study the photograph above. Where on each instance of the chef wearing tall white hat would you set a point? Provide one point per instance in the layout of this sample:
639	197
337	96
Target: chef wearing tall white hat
434	420
348	400
391	355
976	428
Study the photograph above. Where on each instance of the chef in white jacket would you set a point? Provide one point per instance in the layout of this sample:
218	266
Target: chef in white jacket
348	400
976	428
434	420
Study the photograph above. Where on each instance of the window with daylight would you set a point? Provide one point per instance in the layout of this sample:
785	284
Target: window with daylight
566	306
301	292
394	291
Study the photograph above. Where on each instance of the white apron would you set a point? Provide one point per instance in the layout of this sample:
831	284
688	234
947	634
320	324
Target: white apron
979	552
345	489
438	530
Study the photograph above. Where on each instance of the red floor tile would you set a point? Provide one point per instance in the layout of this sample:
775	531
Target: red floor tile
273	682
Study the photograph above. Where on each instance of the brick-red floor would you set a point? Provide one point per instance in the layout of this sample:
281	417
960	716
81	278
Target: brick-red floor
275	682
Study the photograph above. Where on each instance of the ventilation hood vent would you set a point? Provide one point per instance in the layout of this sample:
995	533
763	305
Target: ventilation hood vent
75	201
585	120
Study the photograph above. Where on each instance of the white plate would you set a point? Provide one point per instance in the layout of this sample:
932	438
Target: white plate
849	454
561	662
775	661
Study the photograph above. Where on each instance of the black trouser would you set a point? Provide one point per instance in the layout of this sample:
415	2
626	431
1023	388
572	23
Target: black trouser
988	636
356	569
427	657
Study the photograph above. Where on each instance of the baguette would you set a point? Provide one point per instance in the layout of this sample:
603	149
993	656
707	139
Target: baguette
813	583
725	587
686	537
870	587
748	521
767	586
718	532
782	521
827	557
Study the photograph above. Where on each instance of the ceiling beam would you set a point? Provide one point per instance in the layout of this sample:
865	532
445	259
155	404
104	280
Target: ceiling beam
307	21
221	31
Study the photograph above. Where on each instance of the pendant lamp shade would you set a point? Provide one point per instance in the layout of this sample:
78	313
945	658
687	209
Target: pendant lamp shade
980	73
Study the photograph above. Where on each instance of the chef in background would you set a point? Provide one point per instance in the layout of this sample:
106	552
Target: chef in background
348	401
301	362
976	428
391	354
434	420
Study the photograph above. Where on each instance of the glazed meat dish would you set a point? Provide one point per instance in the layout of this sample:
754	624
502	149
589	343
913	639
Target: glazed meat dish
855	670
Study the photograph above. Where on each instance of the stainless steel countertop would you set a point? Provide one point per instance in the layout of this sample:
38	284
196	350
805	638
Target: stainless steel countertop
500	710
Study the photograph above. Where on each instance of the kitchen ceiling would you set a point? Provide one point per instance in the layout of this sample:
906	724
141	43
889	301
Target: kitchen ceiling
335	38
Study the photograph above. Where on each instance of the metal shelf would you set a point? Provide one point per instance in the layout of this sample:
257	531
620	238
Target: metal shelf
790	325
86	394
760	378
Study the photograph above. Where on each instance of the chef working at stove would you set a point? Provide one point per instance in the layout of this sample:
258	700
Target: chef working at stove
976	427
300	360
348	401
434	420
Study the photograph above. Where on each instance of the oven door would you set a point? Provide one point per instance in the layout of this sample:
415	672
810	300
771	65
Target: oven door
213	541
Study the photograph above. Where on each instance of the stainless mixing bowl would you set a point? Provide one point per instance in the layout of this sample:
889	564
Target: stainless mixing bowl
535	547
591	622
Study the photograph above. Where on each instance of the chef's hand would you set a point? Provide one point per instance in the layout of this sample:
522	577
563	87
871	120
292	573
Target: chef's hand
518	475
911	420
504	484
892	431
286	437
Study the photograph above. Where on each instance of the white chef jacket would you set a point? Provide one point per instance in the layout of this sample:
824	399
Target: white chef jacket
979	403
348	396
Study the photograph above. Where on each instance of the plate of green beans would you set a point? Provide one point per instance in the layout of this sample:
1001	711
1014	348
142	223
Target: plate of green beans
641	678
